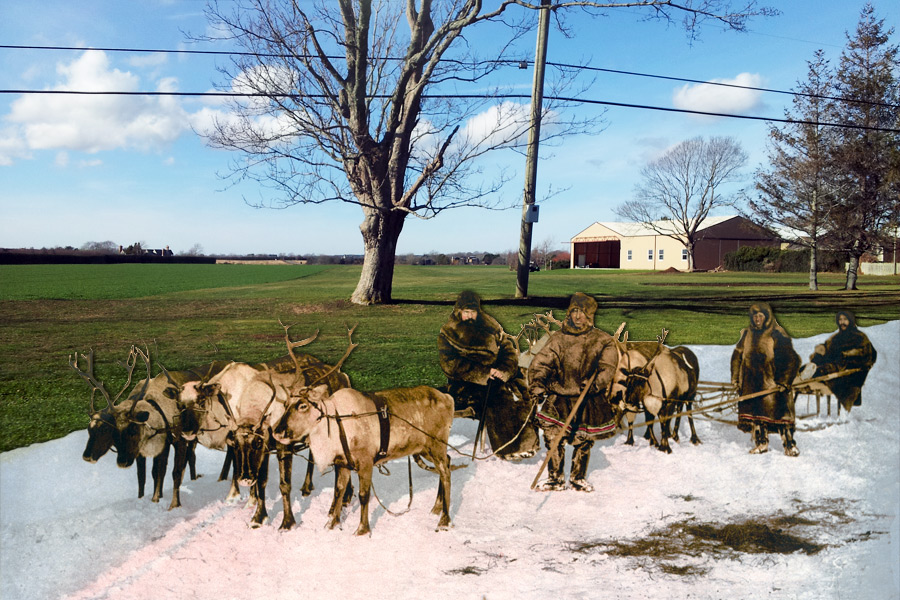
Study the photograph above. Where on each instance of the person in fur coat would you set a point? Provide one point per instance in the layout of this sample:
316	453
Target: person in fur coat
849	348
764	359
559	373
479	360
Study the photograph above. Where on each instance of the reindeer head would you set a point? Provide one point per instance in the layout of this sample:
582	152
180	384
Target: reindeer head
631	383
103	430
312	385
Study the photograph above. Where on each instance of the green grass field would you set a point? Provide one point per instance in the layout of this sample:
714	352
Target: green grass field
188	315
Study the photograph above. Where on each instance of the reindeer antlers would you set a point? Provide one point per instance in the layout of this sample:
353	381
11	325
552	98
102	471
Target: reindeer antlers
97	385
291	345
299	369
351	345
88	376
662	338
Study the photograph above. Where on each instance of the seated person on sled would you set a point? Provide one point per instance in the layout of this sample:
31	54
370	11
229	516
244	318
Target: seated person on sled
479	360
848	348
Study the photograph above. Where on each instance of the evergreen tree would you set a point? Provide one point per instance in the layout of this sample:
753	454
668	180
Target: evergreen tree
798	189
866	153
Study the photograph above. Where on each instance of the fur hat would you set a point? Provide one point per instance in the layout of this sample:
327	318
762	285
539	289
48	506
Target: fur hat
468	300
585	303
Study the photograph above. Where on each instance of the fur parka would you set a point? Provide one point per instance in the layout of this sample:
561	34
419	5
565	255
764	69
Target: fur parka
563	366
468	350
764	358
847	349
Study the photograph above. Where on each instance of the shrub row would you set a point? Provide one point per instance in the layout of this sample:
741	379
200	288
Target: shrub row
764	258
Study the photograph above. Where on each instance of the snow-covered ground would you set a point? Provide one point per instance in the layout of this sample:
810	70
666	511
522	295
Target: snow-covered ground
75	530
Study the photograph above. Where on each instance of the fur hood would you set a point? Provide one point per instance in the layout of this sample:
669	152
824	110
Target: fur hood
585	304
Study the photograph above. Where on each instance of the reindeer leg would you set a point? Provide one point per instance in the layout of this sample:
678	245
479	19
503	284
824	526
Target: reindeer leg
262	478
226	466
285	466
341	478
365	491
695	439
181	450
141	474
348	492
308	487
649	435
192	459
677	424
629	440
160	463
442	463
664	431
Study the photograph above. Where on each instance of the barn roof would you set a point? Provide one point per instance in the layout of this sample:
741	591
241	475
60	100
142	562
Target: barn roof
628	229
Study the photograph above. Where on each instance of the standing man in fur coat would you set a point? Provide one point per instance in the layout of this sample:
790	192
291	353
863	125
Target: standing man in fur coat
763	359
849	348
560	372
478	360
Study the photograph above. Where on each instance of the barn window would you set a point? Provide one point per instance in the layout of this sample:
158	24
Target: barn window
684	254
629	255
650	254
660	254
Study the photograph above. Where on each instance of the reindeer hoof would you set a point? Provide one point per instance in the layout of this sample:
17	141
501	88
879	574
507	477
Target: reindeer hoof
792	451
696	441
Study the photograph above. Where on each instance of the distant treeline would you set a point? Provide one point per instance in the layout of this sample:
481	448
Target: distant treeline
45	257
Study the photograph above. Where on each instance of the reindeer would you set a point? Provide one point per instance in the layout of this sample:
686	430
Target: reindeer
244	401
144	425
661	382
344	429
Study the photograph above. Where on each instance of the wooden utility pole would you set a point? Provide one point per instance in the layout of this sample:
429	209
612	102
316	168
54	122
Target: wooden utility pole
534	136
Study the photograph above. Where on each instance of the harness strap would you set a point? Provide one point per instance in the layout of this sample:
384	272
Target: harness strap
384	424
159	409
344	445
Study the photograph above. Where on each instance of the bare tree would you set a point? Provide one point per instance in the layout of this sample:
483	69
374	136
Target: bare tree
799	187
340	111
680	188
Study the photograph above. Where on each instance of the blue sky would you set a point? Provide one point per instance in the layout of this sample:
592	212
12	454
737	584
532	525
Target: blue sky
131	169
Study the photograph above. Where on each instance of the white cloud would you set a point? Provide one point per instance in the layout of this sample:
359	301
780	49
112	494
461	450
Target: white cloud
95	123
12	146
721	99
499	125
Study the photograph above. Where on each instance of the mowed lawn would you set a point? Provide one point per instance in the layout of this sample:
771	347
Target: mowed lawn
188	315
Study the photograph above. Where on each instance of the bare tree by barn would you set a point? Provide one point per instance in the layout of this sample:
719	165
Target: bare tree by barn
680	188
349	105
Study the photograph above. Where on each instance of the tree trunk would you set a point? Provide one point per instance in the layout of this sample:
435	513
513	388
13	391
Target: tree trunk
690	251
380	231
852	270
814	267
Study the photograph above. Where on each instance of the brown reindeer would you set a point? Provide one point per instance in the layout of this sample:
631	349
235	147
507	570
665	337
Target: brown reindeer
246	401
344	429
144	425
659	383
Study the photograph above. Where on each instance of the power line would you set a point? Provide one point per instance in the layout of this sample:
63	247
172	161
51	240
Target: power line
722	84
516	62
462	97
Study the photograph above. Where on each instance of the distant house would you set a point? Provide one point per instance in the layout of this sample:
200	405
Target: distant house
615	245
